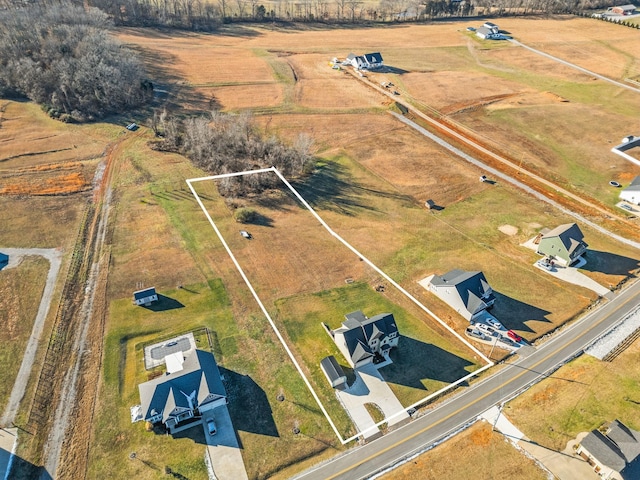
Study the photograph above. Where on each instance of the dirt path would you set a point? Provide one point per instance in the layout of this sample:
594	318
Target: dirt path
518	183
576	67
15	258
70	433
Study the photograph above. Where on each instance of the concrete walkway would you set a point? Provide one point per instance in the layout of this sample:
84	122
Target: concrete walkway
563	465
15	258
370	387
224	451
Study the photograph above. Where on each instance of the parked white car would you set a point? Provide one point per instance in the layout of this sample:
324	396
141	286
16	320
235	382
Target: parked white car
494	323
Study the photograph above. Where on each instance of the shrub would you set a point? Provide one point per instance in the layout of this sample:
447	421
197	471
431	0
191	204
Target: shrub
245	215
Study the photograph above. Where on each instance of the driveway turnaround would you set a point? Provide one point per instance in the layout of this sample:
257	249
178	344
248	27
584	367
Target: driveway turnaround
224	451
573	275
370	387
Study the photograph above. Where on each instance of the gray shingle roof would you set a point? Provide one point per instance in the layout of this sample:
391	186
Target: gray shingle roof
362	329
471	287
147	292
616	449
163	394
570	235
332	368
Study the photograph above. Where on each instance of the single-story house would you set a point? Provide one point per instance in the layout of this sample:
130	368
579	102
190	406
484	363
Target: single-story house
368	61
333	371
362	340
4	260
145	297
564	243
622	9
178	399
631	194
614	454
468	293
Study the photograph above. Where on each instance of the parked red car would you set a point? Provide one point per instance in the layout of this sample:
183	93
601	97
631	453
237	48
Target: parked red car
514	336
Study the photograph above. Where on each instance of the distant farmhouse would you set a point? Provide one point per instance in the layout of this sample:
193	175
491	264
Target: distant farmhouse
622	10
564	243
468	293
630	194
368	61
364	340
489	31
145	297
614	454
179	398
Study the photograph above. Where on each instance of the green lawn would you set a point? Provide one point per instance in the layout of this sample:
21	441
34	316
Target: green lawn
410	377
21	290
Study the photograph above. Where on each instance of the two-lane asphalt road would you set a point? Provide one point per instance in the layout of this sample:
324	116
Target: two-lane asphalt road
365	461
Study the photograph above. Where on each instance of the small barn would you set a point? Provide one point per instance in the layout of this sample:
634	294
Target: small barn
630	194
622	9
145	297
4	260
333	371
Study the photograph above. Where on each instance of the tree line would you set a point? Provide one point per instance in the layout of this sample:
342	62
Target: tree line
222	143
62	56
210	14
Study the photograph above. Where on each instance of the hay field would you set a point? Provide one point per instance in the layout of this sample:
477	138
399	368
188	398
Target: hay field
370	185
557	121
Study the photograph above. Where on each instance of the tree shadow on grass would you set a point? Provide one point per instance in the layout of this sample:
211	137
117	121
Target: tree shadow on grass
415	361
249	406
609	263
330	188
164	303
513	313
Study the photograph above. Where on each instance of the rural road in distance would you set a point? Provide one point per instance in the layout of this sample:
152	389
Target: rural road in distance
365	461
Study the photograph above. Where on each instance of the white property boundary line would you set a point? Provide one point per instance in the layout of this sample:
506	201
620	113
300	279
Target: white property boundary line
489	364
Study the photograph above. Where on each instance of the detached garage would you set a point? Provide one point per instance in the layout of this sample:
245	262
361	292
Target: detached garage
631	194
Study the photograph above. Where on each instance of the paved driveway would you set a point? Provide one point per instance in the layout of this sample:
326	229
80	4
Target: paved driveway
223	448
370	387
573	275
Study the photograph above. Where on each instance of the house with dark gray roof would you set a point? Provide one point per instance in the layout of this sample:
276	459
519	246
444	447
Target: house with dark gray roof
368	61
614	454
468	293
564	243
178	399
145	297
631	194
364	340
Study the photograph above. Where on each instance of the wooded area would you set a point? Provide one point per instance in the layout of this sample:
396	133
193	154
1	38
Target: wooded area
223	143
208	15
62	56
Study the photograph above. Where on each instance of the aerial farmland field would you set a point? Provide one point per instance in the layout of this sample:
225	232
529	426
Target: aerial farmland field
371	179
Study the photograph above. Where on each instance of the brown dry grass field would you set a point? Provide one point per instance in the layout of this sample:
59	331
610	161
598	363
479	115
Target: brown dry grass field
478	453
557	121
